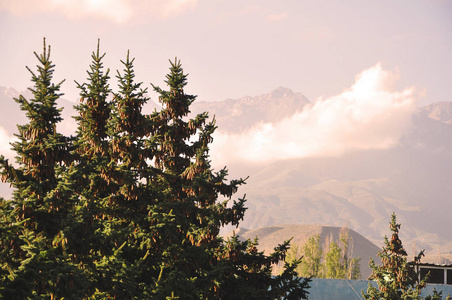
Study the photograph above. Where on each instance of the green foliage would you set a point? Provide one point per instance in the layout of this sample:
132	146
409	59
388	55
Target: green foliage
349	266
331	263
34	258
396	278
435	296
311	265
128	208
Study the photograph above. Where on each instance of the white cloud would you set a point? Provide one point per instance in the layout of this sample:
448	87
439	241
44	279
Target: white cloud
119	11
5	147
369	115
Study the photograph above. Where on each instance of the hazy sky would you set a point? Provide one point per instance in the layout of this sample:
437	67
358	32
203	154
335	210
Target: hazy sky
236	48
365	64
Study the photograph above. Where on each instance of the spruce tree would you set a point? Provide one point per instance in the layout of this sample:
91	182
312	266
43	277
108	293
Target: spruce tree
34	260
129	207
197	263
132	199
95	238
396	277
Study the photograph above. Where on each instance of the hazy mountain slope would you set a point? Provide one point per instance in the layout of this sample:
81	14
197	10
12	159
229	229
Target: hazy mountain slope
360	188
271	236
367	184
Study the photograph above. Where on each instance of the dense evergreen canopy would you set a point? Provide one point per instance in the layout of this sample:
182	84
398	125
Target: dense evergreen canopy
129	207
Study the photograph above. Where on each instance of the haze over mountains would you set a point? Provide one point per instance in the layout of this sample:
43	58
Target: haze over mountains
372	160
358	187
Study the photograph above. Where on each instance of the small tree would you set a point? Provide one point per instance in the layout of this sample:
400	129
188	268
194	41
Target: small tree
396	278
334	267
436	295
311	265
350	264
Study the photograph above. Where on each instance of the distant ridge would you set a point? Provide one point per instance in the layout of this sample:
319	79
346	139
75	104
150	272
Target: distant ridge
236	115
440	111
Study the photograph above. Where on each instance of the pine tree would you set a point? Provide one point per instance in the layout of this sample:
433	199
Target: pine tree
205	267
396	278
96	238
131	194
128	208
112	201
34	260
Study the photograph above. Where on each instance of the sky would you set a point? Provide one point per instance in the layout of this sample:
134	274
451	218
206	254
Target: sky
364	64
235	48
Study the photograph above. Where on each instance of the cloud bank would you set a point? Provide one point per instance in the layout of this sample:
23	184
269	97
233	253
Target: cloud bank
368	115
119	11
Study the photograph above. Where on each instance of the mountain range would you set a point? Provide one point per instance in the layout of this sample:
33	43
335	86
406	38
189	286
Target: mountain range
359	188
